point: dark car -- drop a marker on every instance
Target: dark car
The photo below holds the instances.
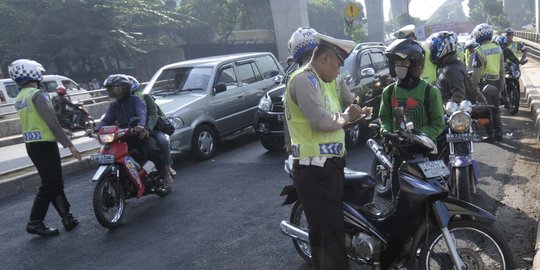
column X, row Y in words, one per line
column 366, row 73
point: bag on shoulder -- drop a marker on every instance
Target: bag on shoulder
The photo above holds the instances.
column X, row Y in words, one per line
column 164, row 124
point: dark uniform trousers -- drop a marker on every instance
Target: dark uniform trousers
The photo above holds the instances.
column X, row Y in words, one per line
column 46, row 158
column 320, row 190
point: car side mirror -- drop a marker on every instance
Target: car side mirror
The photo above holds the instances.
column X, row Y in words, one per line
column 278, row 79
column 367, row 72
column 220, row 87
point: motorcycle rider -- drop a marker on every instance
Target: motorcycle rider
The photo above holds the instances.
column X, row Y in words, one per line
column 153, row 112
column 488, row 74
column 122, row 110
column 315, row 124
column 41, row 132
column 508, row 55
column 429, row 72
column 63, row 103
column 515, row 46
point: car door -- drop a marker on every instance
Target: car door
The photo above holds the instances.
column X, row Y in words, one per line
column 254, row 87
column 363, row 82
column 229, row 104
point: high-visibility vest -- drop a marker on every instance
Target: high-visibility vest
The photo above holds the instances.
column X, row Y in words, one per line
column 34, row 128
column 491, row 55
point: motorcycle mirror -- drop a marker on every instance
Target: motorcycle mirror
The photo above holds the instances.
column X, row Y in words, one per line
column 409, row 126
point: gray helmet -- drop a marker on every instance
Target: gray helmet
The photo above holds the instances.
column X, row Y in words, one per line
column 118, row 86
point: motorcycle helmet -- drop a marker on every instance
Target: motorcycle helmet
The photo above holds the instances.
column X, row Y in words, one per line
column 471, row 43
column 302, row 42
column 61, row 91
column 134, row 83
column 508, row 31
column 482, row 32
column 441, row 44
column 118, row 86
column 502, row 41
column 405, row 49
column 24, row 70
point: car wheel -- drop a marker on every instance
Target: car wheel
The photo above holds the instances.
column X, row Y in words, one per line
column 272, row 144
column 203, row 142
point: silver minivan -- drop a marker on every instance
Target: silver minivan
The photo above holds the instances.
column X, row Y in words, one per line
column 212, row 99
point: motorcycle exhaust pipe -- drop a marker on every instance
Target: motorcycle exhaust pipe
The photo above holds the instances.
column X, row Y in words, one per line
column 379, row 153
column 294, row 232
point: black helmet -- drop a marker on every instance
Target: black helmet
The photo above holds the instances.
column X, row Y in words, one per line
column 508, row 31
column 118, row 86
column 406, row 49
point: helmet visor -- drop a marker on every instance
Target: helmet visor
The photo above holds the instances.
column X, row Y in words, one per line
column 117, row 91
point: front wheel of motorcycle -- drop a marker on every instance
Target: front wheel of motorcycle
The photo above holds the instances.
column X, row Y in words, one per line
column 109, row 201
column 383, row 178
column 298, row 219
column 513, row 98
column 479, row 247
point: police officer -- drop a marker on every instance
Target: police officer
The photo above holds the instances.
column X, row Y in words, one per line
column 488, row 73
column 515, row 46
column 40, row 131
column 315, row 123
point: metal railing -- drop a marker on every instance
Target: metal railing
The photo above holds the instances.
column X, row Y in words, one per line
column 533, row 46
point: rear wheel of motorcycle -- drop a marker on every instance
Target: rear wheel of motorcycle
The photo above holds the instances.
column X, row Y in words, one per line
column 382, row 177
column 463, row 181
column 298, row 219
column 478, row 245
column 513, row 98
column 203, row 142
column 109, row 201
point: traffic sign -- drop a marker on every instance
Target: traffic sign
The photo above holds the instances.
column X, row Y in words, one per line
column 351, row 11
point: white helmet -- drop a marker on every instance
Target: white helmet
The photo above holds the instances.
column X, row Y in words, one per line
column 482, row 32
column 24, row 70
column 301, row 42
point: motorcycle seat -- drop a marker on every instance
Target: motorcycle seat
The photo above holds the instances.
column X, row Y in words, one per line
column 358, row 179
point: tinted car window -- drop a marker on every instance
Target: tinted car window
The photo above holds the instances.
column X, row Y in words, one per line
column 268, row 66
column 174, row 81
column 12, row 90
column 228, row 77
column 348, row 64
column 379, row 61
column 249, row 73
column 50, row 86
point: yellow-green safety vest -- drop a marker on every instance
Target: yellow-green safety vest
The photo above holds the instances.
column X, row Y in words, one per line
column 34, row 128
column 490, row 54
column 430, row 70
column 306, row 142
column 514, row 48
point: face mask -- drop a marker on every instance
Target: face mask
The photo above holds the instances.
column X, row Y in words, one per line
column 401, row 72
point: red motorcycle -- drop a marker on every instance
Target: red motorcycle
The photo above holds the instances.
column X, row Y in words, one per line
column 120, row 175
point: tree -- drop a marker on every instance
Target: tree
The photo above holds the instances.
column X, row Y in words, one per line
column 488, row 11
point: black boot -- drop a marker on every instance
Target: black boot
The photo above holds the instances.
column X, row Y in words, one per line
column 61, row 205
column 497, row 124
column 38, row 213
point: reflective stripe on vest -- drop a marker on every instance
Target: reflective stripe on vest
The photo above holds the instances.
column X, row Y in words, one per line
column 491, row 55
column 306, row 142
column 34, row 129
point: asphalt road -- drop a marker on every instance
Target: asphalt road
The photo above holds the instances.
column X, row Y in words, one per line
column 224, row 213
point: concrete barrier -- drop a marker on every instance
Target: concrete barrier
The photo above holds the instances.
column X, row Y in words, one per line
column 11, row 127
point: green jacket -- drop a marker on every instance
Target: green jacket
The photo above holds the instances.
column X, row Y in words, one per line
column 412, row 100
column 152, row 109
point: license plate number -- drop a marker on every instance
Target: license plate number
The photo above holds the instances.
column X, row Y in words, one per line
column 102, row 158
column 433, row 168
column 459, row 137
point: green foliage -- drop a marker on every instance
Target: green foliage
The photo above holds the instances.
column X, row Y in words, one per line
column 450, row 11
column 490, row 11
column 326, row 16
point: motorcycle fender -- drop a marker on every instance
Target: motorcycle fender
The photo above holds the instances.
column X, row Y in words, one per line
column 290, row 192
column 101, row 172
column 461, row 161
column 448, row 208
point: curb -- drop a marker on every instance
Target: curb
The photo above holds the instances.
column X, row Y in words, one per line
column 30, row 181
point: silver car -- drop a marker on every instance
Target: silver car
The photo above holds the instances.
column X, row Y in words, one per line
column 212, row 99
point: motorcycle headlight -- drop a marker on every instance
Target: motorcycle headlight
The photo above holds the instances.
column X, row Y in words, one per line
column 106, row 138
column 460, row 121
column 177, row 122
column 264, row 103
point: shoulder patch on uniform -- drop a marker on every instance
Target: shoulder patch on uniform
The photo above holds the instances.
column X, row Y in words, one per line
column 314, row 80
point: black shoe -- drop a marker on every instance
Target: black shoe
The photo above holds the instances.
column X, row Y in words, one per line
column 70, row 222
column 40, row 229
column 488, row 139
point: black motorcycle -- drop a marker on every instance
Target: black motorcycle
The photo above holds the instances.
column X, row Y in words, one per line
column 511, row 94
column 423, row 228
column 86, row 122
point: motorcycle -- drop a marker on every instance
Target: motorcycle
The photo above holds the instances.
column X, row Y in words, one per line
column 457, row 147
column 120, row 175
column 86, row 122
column 423, row 228
column 511, row 94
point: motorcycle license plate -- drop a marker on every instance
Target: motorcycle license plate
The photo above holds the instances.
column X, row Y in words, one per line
column 433, row 168
column 102, row 158
column 459, row 137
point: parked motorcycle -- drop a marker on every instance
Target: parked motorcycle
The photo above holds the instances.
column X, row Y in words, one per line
column 511, row 94
column 422, row 229
column 120, row 175
column 86, row 122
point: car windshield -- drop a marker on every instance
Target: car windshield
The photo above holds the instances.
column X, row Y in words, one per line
column 176, row 81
